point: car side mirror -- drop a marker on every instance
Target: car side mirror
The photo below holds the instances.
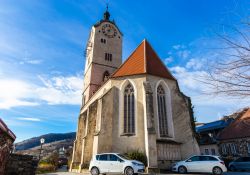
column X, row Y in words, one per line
column 189, row 160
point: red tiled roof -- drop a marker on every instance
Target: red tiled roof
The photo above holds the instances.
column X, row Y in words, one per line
column 143, row 60
column 239, row 128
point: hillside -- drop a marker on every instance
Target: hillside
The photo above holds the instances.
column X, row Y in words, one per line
column 49, row 138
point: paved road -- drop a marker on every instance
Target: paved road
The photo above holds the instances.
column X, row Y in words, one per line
column 68, row 173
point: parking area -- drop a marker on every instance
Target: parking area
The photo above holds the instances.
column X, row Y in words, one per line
column 69, row 173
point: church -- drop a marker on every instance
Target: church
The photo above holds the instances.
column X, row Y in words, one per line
column 135, row 105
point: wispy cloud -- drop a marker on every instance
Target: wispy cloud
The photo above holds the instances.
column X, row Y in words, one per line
column 54, row 90
column 29, row 119
column 61, row 90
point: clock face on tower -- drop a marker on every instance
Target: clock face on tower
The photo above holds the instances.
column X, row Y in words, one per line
column 109, row 31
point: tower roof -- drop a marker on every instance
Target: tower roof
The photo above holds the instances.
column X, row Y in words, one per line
column 144, row 60
column 106, row 14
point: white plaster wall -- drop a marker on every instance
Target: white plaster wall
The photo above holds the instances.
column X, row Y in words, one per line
column 209, row 147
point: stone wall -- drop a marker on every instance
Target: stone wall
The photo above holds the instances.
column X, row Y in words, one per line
column 7, row 138
column 21, row 165
column 5, row 148
column 88, row 140
column 234, row 148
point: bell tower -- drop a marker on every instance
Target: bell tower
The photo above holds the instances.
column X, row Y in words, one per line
column 103, row 54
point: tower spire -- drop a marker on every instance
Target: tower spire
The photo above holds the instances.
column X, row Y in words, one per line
column 106, row 14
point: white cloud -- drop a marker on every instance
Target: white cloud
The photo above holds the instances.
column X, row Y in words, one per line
column 55, row 90
column 183, row 53
column 168, row 60
column 15, row 93
column 61, row 90
column 178, row 46
column 195, row 64
column 190, row 84
column 34, row 61
column 188, row 79
column 29, row 119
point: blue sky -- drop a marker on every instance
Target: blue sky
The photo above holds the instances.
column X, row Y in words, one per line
column 42, row 45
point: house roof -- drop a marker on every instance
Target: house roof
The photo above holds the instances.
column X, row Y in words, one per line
column 144, row 60
column 239, row 128
column 219, row 124
column 4, row 128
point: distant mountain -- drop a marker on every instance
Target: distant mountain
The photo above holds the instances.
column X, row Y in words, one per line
column 49, row 138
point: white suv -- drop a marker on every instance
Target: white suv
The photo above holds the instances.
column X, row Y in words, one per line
column 114, row 163
column 201, row 164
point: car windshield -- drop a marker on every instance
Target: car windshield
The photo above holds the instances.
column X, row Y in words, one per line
column 123, row 156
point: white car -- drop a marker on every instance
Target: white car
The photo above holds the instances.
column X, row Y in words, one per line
column 201, row 164
column 108, row 163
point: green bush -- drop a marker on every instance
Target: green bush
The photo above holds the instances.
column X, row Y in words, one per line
column 137, row 155
column 49, row 164
column 45, row 168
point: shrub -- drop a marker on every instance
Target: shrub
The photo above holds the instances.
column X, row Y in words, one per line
column 45, row 168
column 137, row 155
column 49, row 164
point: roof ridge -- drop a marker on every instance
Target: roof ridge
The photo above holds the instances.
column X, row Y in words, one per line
column 127, row 59
column 144, row 60
column 145, row 55
column 157, row 56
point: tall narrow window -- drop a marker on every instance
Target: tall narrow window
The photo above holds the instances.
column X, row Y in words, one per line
column 129, row 110
column 108, row 56
column 224, row 149
column 162, row 111
column 233, row 148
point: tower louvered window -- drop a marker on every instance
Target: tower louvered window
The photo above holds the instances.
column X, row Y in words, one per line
column 162, row 111
column 129, row 110
column 108, row 56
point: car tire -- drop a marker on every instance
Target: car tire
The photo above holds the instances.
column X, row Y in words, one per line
column 182, row 170
column 217, row 171
column 128, row 171
column 94, row 171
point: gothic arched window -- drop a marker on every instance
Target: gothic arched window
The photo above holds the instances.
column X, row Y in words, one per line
column 105, row 76
column 162, row 111
column 129, row 110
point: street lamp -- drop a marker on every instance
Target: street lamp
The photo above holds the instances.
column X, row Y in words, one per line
column 42, row 140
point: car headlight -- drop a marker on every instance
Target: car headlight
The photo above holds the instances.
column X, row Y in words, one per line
column 136, row 164
column 174, row 164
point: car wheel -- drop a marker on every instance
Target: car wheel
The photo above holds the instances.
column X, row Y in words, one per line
column 182, row 170
column 94, row 171
column 129, row 171
column 217, row 171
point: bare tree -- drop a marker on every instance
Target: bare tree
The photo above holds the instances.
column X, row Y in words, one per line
column 230, row 74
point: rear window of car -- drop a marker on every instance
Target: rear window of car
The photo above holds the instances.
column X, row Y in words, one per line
column 113, row 157
column 210, row 158
column 103, row 157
